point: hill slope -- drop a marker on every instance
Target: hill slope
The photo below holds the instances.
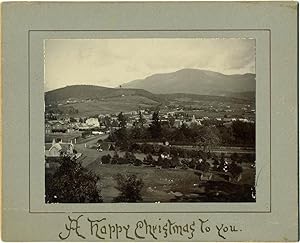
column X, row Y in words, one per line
column 95, row 92
column 86, row 100
column 195, row 81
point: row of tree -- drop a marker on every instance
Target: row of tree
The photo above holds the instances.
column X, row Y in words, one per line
column 208, row 135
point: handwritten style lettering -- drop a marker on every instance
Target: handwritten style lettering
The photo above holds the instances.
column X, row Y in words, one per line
column 73, row 226
column 104, row 229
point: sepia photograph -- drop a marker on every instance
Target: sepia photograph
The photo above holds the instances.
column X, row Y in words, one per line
column 150, row 120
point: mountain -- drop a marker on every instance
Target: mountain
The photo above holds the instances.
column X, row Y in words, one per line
column 196, row 81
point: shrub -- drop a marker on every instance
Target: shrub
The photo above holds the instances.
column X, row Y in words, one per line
column 121, row 161
column 115, row 158
column 165, row 163
column 106, row 159
column 148, row 160
column 137, row 162
column 174, row 162
column 129, row 157
column 192, row 163
column 203, row 166
column 130, row 188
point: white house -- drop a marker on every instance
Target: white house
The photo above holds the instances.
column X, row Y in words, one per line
column 92, row 122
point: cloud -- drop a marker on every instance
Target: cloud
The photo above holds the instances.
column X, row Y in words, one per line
column 110, row 62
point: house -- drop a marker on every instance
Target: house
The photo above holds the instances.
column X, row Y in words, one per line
column 55, row 126
column 177, row 123
column 92, row 122
column 83, row 127
column 48, row 128
column 97, row 132
column 194, row 121
column 58, row 148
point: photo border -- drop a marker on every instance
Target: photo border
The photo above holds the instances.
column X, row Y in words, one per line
column 158, row 30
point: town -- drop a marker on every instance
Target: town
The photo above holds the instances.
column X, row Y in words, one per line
column 177, row 137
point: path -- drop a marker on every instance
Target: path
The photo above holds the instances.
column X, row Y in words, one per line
column 89, row 155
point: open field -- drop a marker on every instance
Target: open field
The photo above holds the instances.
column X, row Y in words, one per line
column 111, row 105
column 160, row 184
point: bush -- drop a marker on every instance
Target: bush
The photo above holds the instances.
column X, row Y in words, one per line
column 122, row 161
column 106, row 159
column 115, row 158
column 137, row 162
column 129, row 157
column 148, row 160
column 130, row 188
column 203, row 166
column 165, row 163
column 174, row 162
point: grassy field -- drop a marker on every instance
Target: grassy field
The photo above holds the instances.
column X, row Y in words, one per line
column 111, row 105
column 160, row 184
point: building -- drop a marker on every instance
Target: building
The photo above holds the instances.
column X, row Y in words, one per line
column 92, row 122
column 55, row 126
column 58, row 149
column 194, row 121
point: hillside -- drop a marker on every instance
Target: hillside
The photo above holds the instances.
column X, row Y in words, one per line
column 196, row 81
column 96, row 92
column 86, row 100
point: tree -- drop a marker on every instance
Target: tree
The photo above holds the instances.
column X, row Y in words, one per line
column 155, row 126
column 107, row 121
column 130, row 188
column 208, row 138
column 171, row 120
column 121, row 134
column 141, row 120
column 122, row 120
column 72, row 183
column 235, row 170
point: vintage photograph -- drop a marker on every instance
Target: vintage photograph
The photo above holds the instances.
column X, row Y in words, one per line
column 150, row 120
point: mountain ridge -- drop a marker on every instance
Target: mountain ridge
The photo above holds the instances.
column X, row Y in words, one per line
column 195, row 81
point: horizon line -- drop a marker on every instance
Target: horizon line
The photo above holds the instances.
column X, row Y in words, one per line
column 115, row 87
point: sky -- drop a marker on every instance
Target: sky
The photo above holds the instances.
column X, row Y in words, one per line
column 112, row 62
